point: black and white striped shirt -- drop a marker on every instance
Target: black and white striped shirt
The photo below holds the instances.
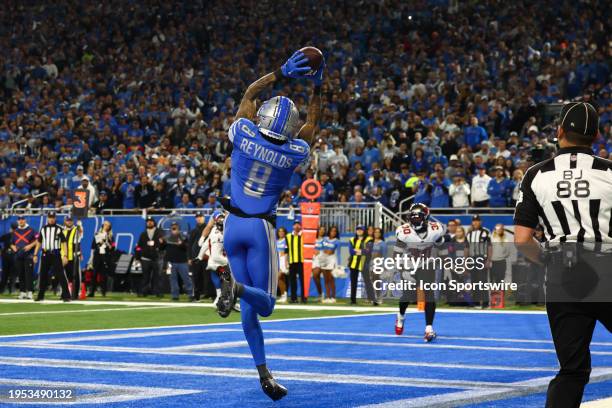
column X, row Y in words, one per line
column 570, row 195
column 51, row 237
column 479, row 240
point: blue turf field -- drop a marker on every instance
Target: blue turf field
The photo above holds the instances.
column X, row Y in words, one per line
column 479, row 360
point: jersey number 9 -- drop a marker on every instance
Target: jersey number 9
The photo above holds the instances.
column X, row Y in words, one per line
column 258, row 177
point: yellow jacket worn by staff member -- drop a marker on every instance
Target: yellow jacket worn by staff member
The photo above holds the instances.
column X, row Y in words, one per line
column 295, row 253
column 295, row 248
column 72, row 252
column 361, row 247
column 72, row 244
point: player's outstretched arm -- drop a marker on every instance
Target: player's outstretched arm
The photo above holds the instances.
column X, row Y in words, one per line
column 294, row 67
column 307, row 132
column 248, row 104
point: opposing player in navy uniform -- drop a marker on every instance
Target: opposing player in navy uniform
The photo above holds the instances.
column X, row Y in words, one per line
column 417, row 238
column 268, row 147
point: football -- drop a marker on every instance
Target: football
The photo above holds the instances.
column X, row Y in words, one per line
column 315, row 57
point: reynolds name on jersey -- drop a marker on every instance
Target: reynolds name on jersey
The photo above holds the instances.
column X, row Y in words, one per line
column 261, row 170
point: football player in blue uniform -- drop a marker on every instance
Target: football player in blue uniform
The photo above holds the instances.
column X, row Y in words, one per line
column 268, row 146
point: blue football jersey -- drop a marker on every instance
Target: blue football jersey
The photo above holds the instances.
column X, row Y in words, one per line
column 261, row 170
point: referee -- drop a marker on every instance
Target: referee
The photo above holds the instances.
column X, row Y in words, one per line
column 571, row 196
column 52, row 241
column 479, row 239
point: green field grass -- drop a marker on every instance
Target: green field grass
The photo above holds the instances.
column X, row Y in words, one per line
column 24, row 318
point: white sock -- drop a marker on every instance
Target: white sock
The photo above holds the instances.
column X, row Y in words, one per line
column 400, row 316
column 218, row 292
column 428, row 328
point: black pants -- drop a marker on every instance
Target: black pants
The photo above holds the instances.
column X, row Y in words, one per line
column 101, row 267
column 202, row 283
column 367, row 282
column 480, row 296
column 73, row 273
column 8, row 272
column 25, row 270
column 572, row 326
column 481, row 204
column 150, row 277
column 498, row 270
column 422, row 276
column 51, row 263
column 296, row 270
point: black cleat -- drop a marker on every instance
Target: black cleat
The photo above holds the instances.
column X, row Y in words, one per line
column 227, row 300
column 272, row 389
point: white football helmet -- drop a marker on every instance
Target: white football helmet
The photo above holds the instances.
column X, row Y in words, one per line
column 278, row 118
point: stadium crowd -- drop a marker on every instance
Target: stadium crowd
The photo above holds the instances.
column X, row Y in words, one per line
column 419, row 98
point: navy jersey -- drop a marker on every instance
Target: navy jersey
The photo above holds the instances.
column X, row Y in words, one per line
column 261, row 170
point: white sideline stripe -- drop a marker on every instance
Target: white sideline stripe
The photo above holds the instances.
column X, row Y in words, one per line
column 374, row 309
column 312, row 332
column 43, row 344
column 114, row 309
column 600, row 403
column 221, row 345
column 505, row 391
column 250, row 373
column 135, row 335
column 191, row 352
column 153, row 328
column 108, row 394
column 394, row 336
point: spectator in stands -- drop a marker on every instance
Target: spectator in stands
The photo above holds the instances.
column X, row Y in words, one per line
column 517, row 176
column 83, row 109
column 439, row 189
column 474, row 134
column 176, row 255
column 103, row 247
column 480, row 186
column 499, row 189
column 144, row 193
column 459, row 192
column 422, row 189
column 212, row 203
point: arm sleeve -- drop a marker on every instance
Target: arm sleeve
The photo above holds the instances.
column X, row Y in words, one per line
column 526, row 211
column 233, row 133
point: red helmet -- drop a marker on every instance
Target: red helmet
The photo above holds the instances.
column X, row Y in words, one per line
column 418, row 214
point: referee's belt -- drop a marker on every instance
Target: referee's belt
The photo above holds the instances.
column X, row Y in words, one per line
column 225, row 202
column 51, row 251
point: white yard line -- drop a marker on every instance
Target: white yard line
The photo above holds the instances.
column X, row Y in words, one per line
column 249, row 373
column 600, row 403
column 189, row 351
column 505, row 391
